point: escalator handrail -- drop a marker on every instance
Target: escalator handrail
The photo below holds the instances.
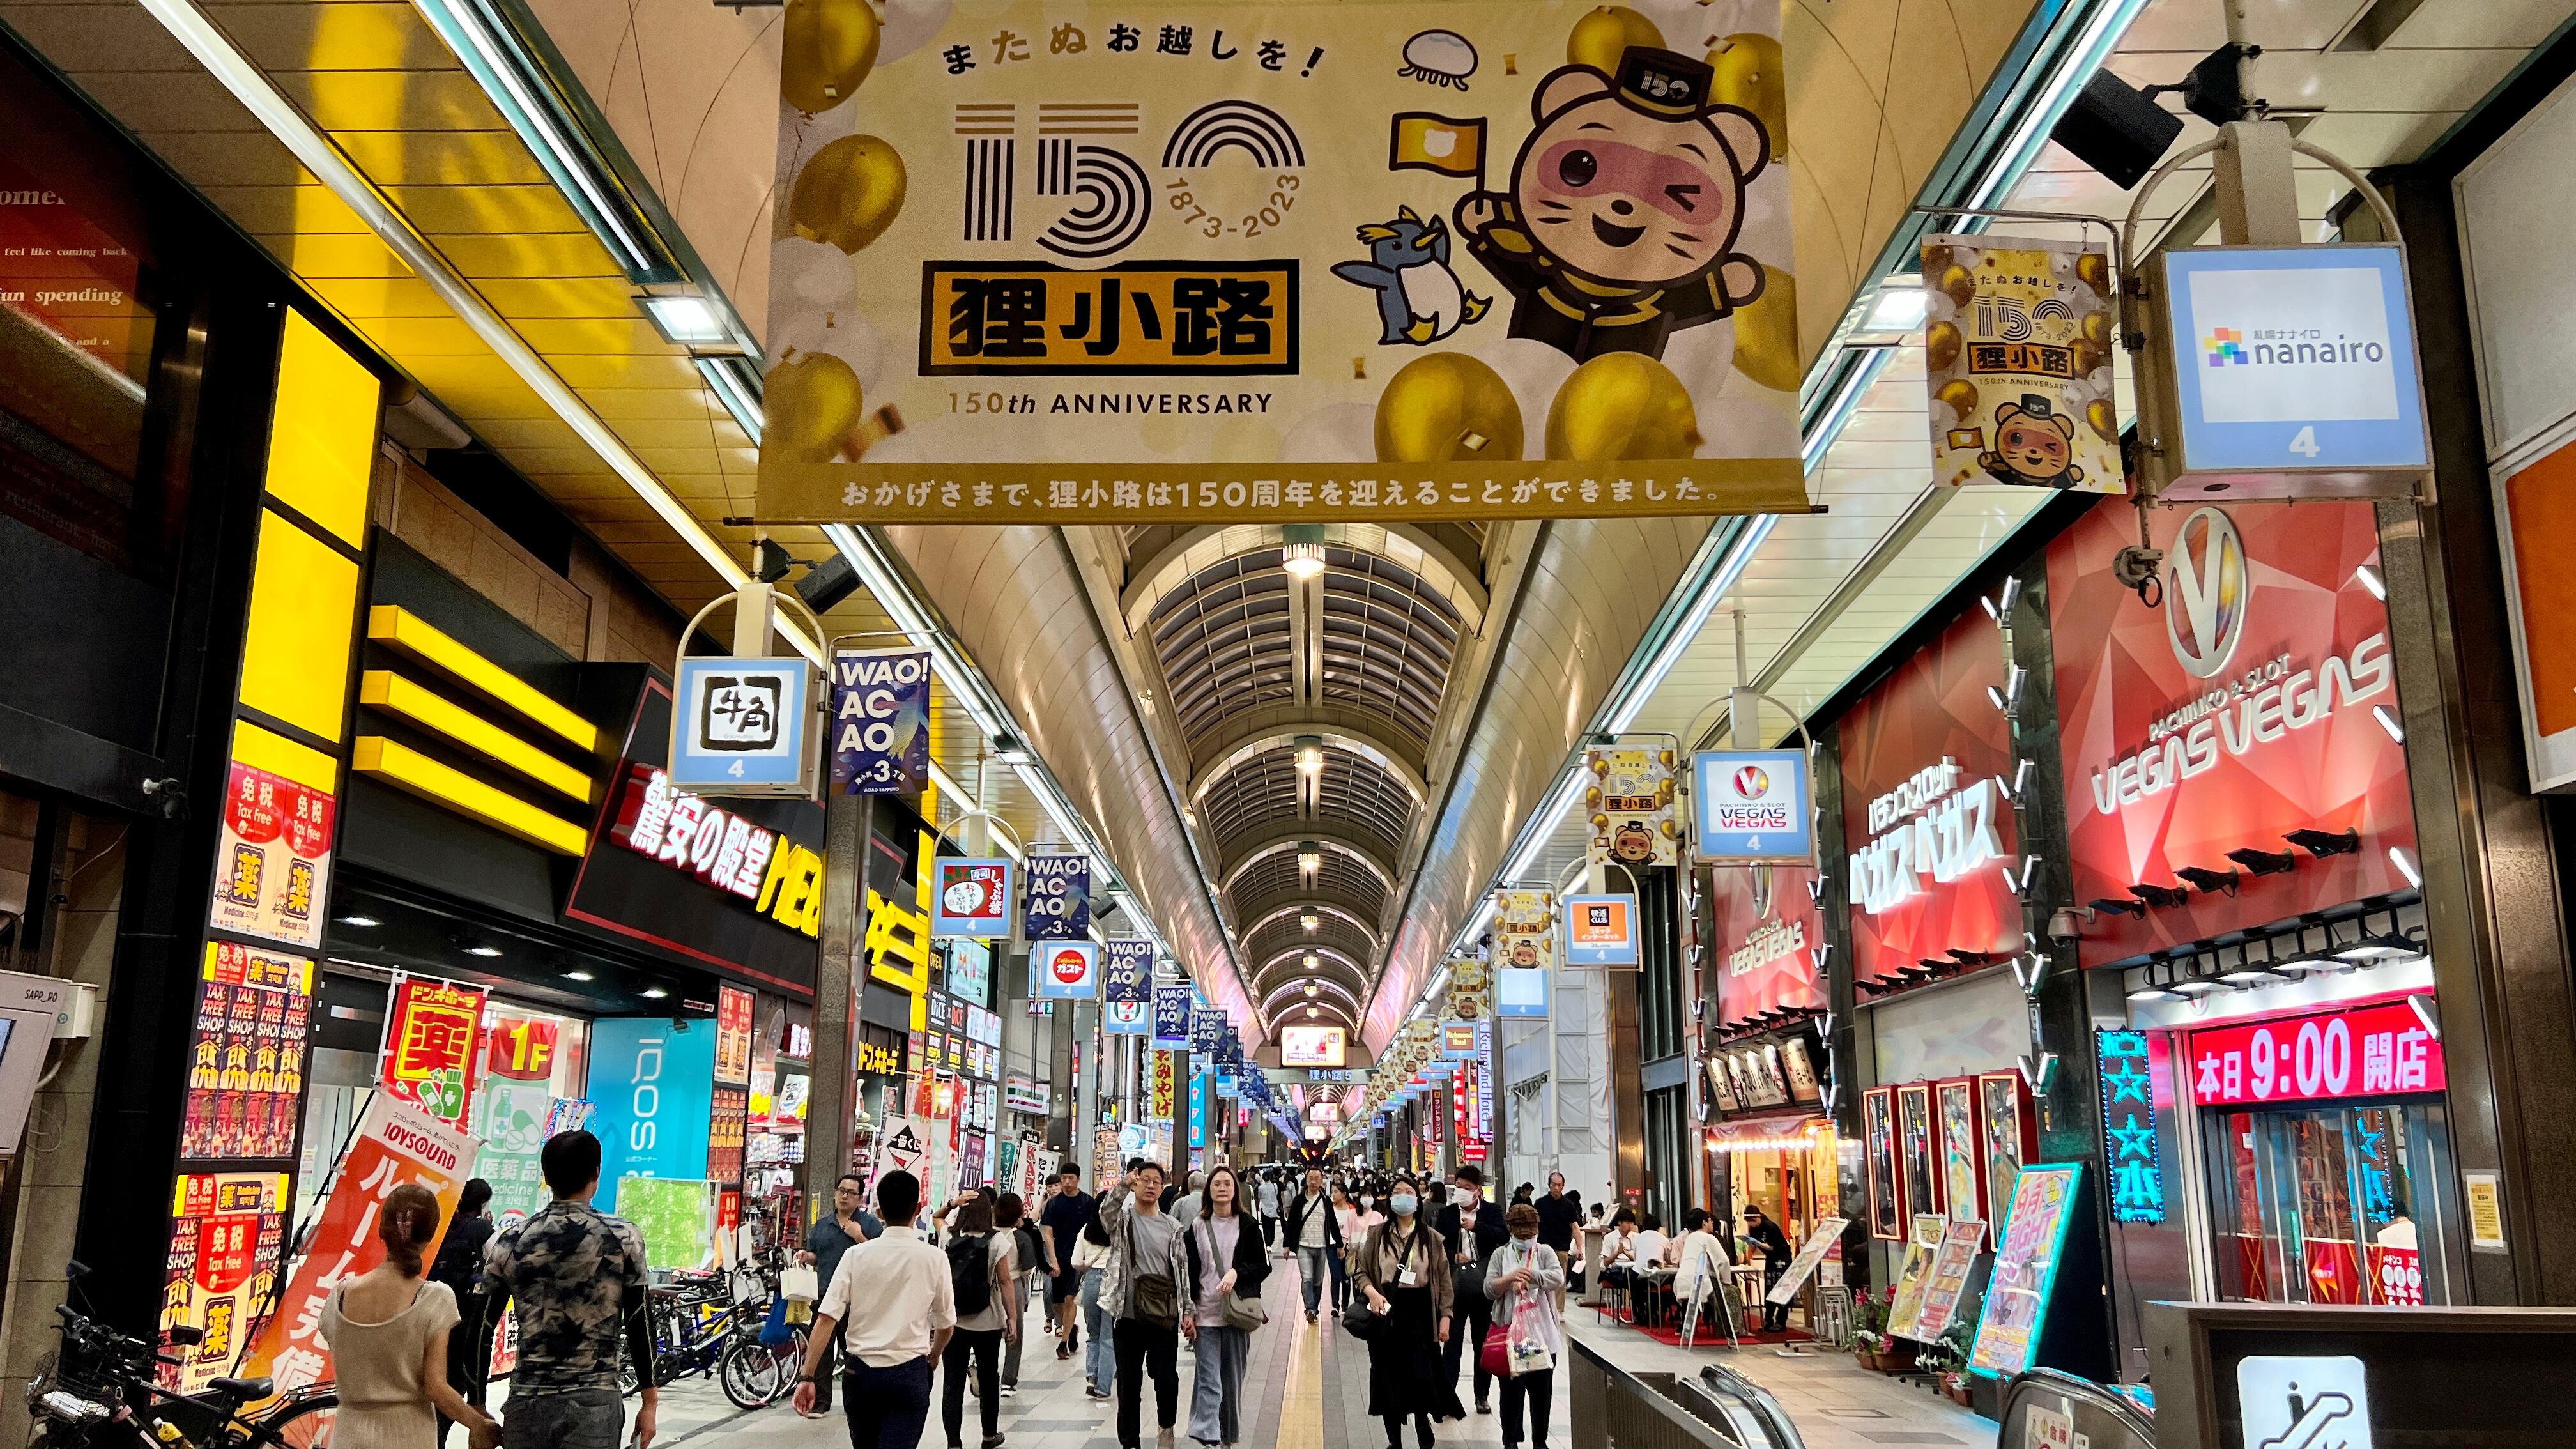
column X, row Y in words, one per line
column 1725, row 1383
column 2047, row 1380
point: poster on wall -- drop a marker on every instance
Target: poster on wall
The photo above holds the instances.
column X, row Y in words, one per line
column 2017, row 353
column 396, row 1143
column 2006, row 1136
column 273, row 862
column 1886, row 1177
column 1768, row 931
column 246, row 1055
column 1962, row 1167
column 2247, row 727
column 733, row 1034
column 1918, row 1141
column 880, row 721
column 227, row 1233
column 1928, row 826
column 429, row 1057
column 1235, row 262
column 654, row 1079
column 1628, row 803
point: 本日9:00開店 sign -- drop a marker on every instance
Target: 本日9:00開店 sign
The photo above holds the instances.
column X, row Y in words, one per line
column 1157, row 262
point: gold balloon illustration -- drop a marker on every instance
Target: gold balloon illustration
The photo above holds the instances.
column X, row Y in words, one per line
column 1958, row 285
column 2094, row 270
column 1961, row 395
column 1750, row 75
column 2097, row 329
column 1622, row 405
column 814, row 404
column 1941, row 343
column 2103, row 419
column 830, row 47
column 1446, row 408
column 2086, row 355
column 1766, row 333
column 1607, row 32
column 848, row 194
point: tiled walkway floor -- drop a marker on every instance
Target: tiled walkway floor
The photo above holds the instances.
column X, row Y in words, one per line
column 1307, row 1388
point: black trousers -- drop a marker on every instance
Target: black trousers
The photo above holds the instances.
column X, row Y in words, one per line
column 1475, row 1315
column 469, row 1352
column 1145, row 1348
column 823, row 1382
column 1775, row 1316
column 1538, row 1390
column 886, row 1405
column 983, row 1346
column 1395, row 1431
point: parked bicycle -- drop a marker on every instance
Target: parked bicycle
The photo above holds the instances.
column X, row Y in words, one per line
column 102, row 1388
column 712, row 1323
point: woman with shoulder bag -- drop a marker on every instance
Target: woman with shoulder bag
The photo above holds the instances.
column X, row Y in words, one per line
column 1224, row 1307
column 1523, row 1278
column 1403, row 1270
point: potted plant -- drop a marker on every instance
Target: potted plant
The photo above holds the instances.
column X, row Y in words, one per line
column 1869, row 1329
column 1955, row 1344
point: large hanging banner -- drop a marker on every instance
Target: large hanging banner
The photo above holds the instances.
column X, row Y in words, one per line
column 1283, row 263
column 1629, row 805
column 397, row 1143
column 880, row 721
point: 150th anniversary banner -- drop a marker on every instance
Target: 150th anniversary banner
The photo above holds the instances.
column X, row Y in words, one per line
column 1367, row 261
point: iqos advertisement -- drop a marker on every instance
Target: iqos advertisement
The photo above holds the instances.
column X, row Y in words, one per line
column 2234, row 750
column 654, row 1079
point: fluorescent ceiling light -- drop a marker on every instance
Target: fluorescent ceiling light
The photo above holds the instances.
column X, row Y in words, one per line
column 1900, row 306
column 1721, row 581
column 215, row 50
column 577, row 974
column 686, row 318
column 360, row 921
column 482, row 950
column 654, row 993
column 729, row 390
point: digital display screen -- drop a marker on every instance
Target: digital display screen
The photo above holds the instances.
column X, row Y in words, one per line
column 1311, row 1046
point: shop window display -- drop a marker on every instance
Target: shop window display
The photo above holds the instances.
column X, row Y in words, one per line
column 2341, row 1204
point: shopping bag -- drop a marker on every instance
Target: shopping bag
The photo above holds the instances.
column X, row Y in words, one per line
column 1524, row 1351
column 799, row 1280
column 1495, row 1356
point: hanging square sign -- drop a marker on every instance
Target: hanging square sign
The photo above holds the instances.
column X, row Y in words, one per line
column 1059, row 902
column 1753, row 805
column 740, row 727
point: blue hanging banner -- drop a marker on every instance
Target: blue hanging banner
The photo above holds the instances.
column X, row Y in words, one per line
column 880, row 721
column 1127, row 971
column 1172, row 1017
column 1059, row 897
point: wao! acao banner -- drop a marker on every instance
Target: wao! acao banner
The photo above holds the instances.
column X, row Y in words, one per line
column 1149, row 262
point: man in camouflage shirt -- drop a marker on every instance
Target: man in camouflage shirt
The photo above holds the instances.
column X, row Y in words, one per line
column 575, row 1278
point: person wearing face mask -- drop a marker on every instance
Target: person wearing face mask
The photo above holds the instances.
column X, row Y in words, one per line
column 1473, row 1229
column 1403, row 1269
column 1525, row 1278
column 1347, row 1232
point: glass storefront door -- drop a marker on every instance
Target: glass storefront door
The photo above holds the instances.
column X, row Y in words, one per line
column 2331, row 1203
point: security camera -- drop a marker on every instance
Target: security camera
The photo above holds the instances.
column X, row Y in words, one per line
column 2066, row 926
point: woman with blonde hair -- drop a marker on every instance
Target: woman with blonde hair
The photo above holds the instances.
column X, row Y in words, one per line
column 387, row 1329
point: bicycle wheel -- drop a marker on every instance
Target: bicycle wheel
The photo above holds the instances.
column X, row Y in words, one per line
column 305, row 1424
column 750, row 1374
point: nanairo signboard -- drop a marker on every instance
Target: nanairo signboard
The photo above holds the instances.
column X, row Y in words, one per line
column 1138, row 263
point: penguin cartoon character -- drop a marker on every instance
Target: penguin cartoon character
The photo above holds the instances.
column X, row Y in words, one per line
column 1625, row 205
column 2034, row 446
column 1419, row 300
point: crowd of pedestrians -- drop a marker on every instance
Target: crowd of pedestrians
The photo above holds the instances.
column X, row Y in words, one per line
column 1442, row 1284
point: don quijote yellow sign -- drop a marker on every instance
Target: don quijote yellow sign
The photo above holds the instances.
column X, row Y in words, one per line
column 1108, row 263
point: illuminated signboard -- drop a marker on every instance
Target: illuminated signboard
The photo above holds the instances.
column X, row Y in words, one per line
column 1312, row 1046
column 2383, row 1049
column 2130, row 1128
column 721, row 849
column 1753, row 805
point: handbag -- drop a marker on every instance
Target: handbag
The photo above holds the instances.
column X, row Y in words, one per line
column 1360, row 1320
column 1239, row 1310
column 1467, row 1280
column 1495, row 1355
column 799, row 1280
column 1151, row 1297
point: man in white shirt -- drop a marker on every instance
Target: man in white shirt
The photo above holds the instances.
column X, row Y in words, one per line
column 893, row 1331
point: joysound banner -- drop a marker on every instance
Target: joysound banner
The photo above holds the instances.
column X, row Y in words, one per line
column 1369, row 262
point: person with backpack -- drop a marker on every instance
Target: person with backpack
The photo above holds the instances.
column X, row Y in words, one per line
column 1142, row 1291
column 981, row 1282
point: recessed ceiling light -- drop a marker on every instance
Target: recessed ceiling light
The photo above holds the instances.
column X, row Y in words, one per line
column 684, row 318
column 654, row 993
column 1310, row 920
column 360, row 921
column 479, row 949
column 577, row 974
column 1900, row 307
